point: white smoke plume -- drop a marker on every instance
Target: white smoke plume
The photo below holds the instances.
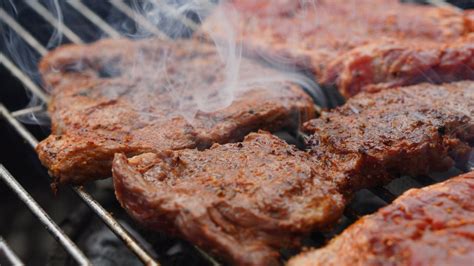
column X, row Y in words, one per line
column 167, row 16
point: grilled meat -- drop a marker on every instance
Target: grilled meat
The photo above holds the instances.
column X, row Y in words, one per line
column 389, row 63
column 246, row 200
column 411, row 130
column 358, row 44
column 429, row 226
column 241, row 201
column 122, row 96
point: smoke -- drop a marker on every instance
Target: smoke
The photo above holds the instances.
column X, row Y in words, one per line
column 175, row 19
column 57, row 37
column 26, row 58
column 206, row 98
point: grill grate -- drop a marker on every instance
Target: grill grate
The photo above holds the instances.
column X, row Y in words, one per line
column 10, row 256
column 43, row 216
column 351, row 213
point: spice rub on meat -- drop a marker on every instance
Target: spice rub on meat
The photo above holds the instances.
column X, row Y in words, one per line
column 123, row 96
column 355, row 45
column 241, row 201
column 246, row 200
column 429, row 226
column 412, row 130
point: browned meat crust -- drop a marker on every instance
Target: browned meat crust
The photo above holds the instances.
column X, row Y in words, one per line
column 357, row 44
column 246, row 200
column 429, row 226
column 409, row 130
column 122, row 96
column 241, row 201
column 392, row 62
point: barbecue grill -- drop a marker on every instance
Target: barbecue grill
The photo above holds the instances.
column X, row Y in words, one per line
column 94, row 208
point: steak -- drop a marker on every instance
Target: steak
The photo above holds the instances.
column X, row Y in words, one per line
column 410, row 130
column 429, row 226
column 244, row 201
column 354, row 45
column 123, row 96
column 241, row 201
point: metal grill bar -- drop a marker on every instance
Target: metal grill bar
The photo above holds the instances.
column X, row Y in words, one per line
column 5, row 17
column 106, row 217
column 11, row 256
column 142, row 21
column 116, row 227
column 23, row 78
column 98, row 209
column 381, row 192
column 209, row 258
column 173, row 12
column 443, row 3
column 89, row 14
column 18, row 127
column 51, row 226
column 28, row 110
column 43, row 12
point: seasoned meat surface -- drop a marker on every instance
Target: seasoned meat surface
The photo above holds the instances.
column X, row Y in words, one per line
column 410, row 130
column 123, row 96
column 429, row 226
column 246, row 200
column 354, row 45
column 241, row 201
